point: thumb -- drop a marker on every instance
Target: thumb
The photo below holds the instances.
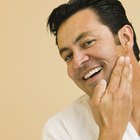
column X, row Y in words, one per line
column 99, row 91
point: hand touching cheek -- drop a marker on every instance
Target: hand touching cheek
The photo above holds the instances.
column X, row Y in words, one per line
column 112, row 105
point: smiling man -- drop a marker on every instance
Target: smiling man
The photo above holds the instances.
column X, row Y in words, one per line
column 98, row 44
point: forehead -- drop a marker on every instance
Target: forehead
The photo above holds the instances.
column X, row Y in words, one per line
column 83, row 21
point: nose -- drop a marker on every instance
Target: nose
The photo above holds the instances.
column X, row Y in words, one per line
column 79, row 59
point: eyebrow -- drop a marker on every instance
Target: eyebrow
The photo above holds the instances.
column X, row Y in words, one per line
column 79, row 37
column 63, row 50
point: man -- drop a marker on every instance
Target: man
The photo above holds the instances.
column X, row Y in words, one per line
column 98, row 44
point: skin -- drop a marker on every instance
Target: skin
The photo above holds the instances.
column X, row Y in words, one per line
column 89, row 54
column 112, row 105
column 85, row 43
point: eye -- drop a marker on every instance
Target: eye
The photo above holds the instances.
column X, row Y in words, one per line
column 68, row 57
column 88, row 43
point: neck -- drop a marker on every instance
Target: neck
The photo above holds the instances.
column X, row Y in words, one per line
column 136, row 97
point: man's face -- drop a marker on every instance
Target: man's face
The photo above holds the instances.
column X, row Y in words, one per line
column 89, row 49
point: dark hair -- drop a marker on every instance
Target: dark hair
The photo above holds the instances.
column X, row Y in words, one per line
column 110, row 12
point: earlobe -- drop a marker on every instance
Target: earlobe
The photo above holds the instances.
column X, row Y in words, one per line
column 125, row 35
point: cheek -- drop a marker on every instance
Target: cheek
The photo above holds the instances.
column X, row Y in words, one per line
column 70, row 72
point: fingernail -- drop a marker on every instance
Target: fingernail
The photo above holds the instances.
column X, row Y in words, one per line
column 102, row 81
column 127, row 59
column 121, row 58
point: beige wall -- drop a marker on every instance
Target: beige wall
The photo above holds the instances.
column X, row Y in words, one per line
column 33, row 81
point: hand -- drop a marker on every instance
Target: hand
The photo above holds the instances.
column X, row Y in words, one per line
column 112, row 105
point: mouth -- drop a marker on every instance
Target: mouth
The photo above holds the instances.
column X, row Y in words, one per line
column 92, row 73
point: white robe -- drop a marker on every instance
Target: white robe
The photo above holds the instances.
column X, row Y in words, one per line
column 77, row 123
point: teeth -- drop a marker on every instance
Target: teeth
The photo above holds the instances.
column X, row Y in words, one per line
column 92, row 72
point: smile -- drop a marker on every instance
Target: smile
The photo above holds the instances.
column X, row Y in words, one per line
column 92, row 72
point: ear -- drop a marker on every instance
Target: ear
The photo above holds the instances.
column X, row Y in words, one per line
column 125, row 35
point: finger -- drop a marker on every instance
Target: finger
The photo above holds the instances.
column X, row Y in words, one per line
column 130, row 78
column 116, row 74
column 127, row 74
column 125, row 71
column 99, row 92
column 130, row 73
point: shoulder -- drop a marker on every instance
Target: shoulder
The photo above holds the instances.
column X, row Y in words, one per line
column 69, row 121
column 76, row 108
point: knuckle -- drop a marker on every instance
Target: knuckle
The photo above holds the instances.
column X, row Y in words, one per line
column 116, row 73
column 113, row 90
column 94, row 103
column 125, row 75
column 124, row 95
